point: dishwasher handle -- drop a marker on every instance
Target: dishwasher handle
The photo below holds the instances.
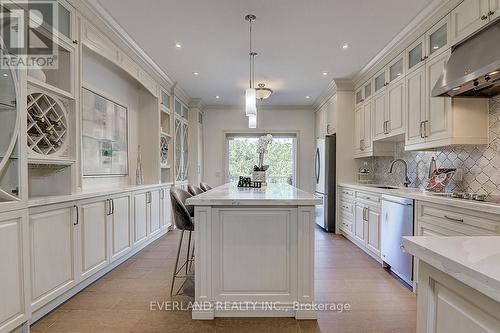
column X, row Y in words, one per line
column 399, row 203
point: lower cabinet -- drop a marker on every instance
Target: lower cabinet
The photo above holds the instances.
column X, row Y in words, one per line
column 14, row 290
column 166, row 208
column 154, row 212
column 141, row 201
column 120, row 225
column 93, row 236
column 52, row 247
column 445, row 304
column 361, row 219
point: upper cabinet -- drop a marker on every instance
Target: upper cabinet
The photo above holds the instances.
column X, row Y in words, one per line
column 472, row 15
column 441, row 121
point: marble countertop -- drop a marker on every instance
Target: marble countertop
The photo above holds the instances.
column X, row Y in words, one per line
column 474, row 260
column 48, row 200
column 422, row 195
column 274, row 194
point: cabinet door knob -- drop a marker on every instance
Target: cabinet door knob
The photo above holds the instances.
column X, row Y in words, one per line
column 484, row 17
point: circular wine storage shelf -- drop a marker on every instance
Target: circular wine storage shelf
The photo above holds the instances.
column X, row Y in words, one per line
column 47, row 124
column 163, row 150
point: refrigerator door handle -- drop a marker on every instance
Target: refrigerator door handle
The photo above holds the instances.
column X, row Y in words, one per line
column 317, row 165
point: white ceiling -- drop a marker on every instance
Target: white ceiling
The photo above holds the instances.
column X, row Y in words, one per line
column 296, row 40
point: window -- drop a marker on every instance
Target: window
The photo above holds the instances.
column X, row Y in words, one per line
column 281, row 157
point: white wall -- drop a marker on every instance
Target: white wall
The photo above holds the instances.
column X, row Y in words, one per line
column 117, row 85
column 216, row 122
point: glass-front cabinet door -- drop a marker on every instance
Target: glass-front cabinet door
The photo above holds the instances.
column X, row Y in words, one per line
column 415, row 54
column 359, row 96
column 9, row 135
column 380, row 81
column 396, row 69
column 367, row 90
column 438, row 37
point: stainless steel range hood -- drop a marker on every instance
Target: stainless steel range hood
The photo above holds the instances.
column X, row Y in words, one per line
column 474, row 66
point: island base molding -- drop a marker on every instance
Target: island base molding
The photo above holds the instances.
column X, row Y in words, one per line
column 212, row 311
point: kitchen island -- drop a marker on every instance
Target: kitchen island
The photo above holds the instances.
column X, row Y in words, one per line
column 254, row 252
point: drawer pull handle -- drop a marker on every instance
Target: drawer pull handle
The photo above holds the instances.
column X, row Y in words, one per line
column 453, row 219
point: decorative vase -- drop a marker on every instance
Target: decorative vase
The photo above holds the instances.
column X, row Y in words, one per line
column 139, row 175
column 259, row 176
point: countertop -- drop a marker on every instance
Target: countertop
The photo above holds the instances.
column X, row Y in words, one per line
column 274, row 194
column 48, row 200
column 474, row 261
column 422, row 195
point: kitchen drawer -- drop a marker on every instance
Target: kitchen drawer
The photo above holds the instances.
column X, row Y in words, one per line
column 347, row 207
column 346, row 194
column 346, row 226
column 368, row 197
column 467, row 222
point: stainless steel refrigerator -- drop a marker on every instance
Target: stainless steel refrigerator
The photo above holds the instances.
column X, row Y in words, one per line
column 324, row 177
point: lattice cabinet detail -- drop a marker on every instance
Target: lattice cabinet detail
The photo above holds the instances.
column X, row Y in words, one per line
column 47, row 125
column 164, row 141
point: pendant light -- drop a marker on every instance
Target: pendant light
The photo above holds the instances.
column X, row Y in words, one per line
column 252, row 121
column 250, row 93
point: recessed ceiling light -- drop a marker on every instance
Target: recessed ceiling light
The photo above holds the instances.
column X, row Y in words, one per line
column 196, row 73
column 325, row 73
column 345, row 46
column 178, row 45
column 217, row 97
column 308, row 97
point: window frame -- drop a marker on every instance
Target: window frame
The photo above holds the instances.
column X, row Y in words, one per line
column 257, row 133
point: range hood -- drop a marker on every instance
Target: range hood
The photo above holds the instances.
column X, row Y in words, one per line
column 473, row 69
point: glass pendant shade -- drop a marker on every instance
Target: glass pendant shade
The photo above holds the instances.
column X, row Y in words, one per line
column 251, row 102
column 252, row 121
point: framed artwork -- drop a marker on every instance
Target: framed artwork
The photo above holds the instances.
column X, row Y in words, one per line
column 104, row 136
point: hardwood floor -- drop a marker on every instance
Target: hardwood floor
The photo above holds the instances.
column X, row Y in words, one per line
column 120, row 301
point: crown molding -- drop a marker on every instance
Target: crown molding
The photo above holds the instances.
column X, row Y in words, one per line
column 332, row 88
column 422, row 22
column 196, row 103
column 94, row 8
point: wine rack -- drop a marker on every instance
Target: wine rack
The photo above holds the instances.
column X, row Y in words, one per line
column 47, row 124
column 164, row 151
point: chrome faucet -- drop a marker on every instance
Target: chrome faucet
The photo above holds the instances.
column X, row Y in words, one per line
column 407, row 181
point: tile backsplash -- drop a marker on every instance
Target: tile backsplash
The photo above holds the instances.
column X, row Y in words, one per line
column 478, row 166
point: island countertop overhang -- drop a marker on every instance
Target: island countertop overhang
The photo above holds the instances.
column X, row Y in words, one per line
column 272, row 195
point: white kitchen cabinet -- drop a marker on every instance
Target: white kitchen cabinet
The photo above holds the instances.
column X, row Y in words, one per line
column 141, row 202
column 321, row 118
column 470, row 16
column 52, row 231
column 415, row 55
column 120, row 225
column 359, row 222
column 445, row 121
column 415, row 105
column 154, row 212
column 331, row 115
column 166, row 208
column 373, row 229
column 445, row 304
column 379, row 115
column 389, row 102
column 437, row 38
column 93, row 236
column 14, row 287
column 362, row 130
column 364, row 93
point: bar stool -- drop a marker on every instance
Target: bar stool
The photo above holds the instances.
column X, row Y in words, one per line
column 194, row 190
column 205, row 187
column 183, row 221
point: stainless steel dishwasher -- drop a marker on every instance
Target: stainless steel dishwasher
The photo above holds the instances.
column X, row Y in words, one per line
column 397, row 221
